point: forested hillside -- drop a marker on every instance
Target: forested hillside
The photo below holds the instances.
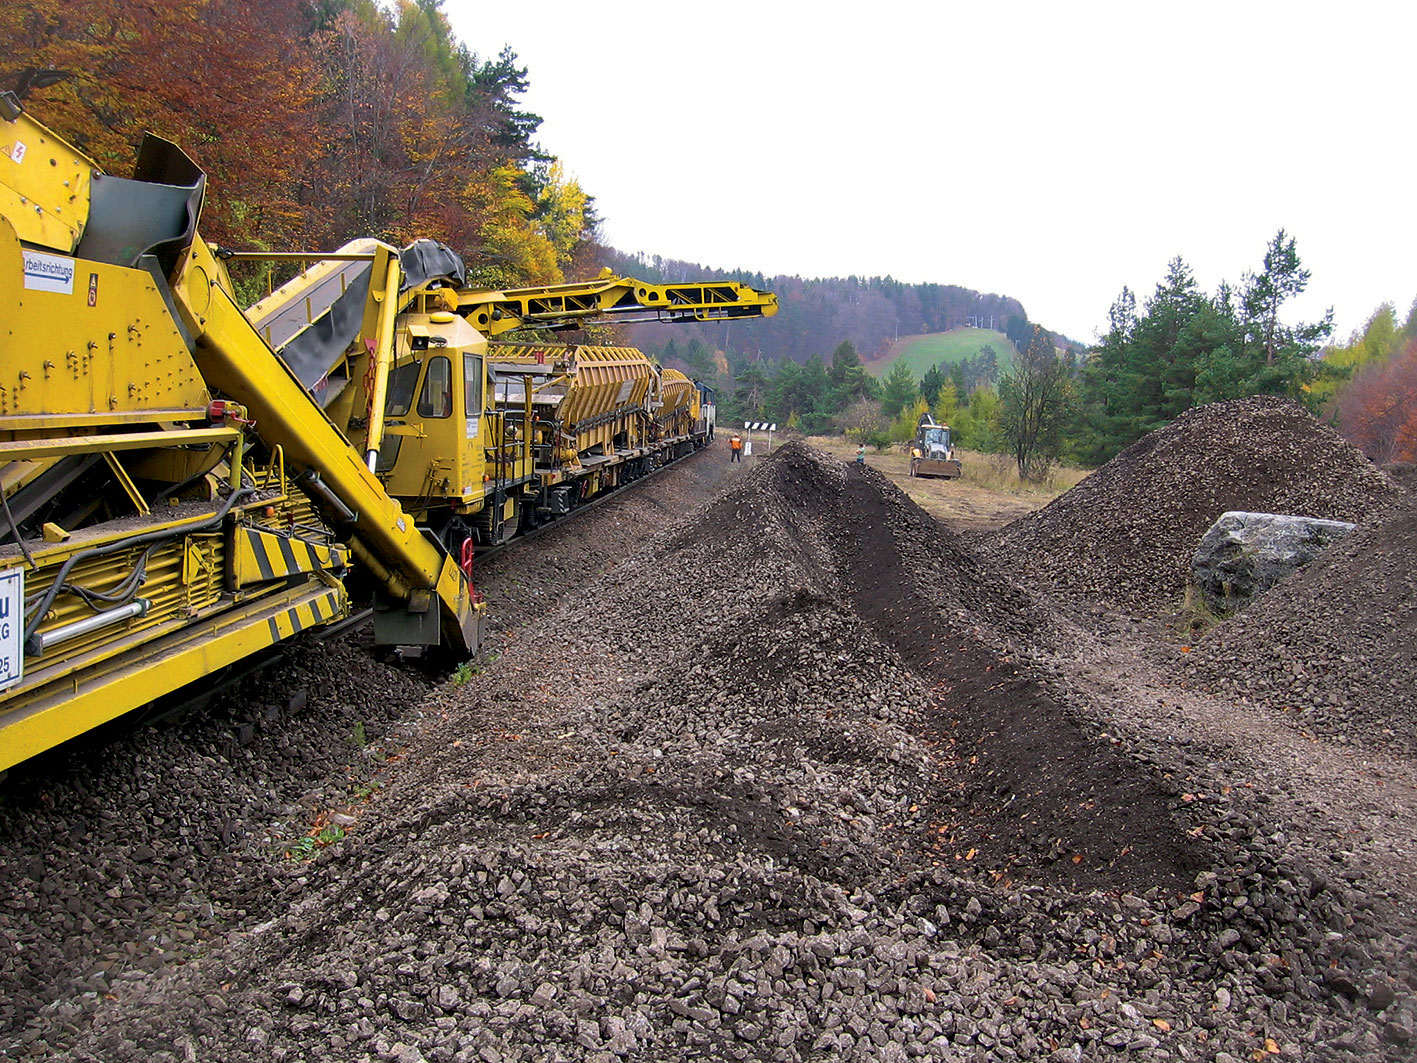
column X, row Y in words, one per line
column 816, row 314
column 316, row 122
column 319, row 121
column 805, row 366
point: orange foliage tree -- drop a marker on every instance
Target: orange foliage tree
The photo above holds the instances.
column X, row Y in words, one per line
column 316, row 122
column 1377, row 410
column 228, row 81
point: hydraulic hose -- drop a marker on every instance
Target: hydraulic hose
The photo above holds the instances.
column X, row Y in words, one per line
column 33, row 621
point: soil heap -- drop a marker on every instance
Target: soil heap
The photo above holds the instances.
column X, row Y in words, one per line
column 122, row 856
column 1124, row 536
column 1333, row 647
column 129, row 849
column 784, row 785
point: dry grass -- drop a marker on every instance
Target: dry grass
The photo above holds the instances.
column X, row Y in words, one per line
column 988, row 496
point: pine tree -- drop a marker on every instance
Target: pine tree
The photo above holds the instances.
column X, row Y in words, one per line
column 899, row 390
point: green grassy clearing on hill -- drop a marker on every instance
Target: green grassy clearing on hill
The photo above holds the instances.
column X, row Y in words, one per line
column 921, row 352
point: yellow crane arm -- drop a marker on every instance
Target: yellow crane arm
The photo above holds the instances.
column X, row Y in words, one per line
column 236, row 360
column 566, row 305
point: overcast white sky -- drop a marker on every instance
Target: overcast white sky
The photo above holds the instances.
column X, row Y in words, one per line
column 1053, row 152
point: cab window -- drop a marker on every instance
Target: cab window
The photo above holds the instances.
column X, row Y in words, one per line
column 401, row 384
column 436, row 399
column 472, row 377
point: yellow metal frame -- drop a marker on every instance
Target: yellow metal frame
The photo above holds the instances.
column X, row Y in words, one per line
column 234, row 359
column 44, row 185
column 498, row 312
column 28, row 449
column 159, row 666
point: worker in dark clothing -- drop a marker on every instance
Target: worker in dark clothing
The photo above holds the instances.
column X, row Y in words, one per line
column 735, row 448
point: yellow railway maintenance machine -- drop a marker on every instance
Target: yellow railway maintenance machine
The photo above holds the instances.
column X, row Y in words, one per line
column 186, row 483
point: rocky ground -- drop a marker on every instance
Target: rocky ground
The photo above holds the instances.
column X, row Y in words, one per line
column 1332, row 647
column 791, row 774
column 1124, row 536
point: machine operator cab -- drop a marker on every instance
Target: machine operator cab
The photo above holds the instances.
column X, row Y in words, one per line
column 447, row 449
column 932, row 440
column 935, row 443
column 433, row 411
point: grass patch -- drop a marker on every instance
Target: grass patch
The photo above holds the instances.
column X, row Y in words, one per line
column 921, row 352
column 321, row 835
column 999, row 472
column 306, row 847
column 1196, row 617
column 990, row 472
column 988, row 495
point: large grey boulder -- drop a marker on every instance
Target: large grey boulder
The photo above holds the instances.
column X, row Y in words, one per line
column 1245, row 554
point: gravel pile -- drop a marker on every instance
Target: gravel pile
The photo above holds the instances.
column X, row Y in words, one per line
column 1334, row 647
column 786, row 784
column 1124, row 536
column 122, row 856
column 122, row 853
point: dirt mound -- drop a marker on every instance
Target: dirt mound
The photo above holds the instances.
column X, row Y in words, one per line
column 1124, row 536
column 1335, row 645
column 119, row 856
column 782, row 784
column 1034, row 789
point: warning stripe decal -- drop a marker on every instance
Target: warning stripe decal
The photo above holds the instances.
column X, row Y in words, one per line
column 277, row 556
column 288, row 552
column 307, row 614
column 258, row 548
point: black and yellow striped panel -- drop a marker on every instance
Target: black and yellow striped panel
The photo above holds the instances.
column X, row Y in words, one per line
column 263, row 555
column 312, row 613
column 53, row 704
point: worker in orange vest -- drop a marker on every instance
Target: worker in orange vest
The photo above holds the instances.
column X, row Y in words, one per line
column 735, row 448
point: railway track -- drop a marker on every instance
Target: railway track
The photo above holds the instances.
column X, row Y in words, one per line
column 585, row 507
column 196, row 697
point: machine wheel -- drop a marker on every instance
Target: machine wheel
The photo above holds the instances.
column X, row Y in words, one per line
column 504, row 531
column 492, row 530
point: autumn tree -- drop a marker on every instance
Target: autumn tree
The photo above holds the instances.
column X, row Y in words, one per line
column 316, row 122
column 1034, row 399
column 405, row 124
column 1377, row 411
column 1379, row 339
column 563, row 213
column 231, row 83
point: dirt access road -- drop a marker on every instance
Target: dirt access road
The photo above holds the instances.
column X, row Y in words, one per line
column 984, row 500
